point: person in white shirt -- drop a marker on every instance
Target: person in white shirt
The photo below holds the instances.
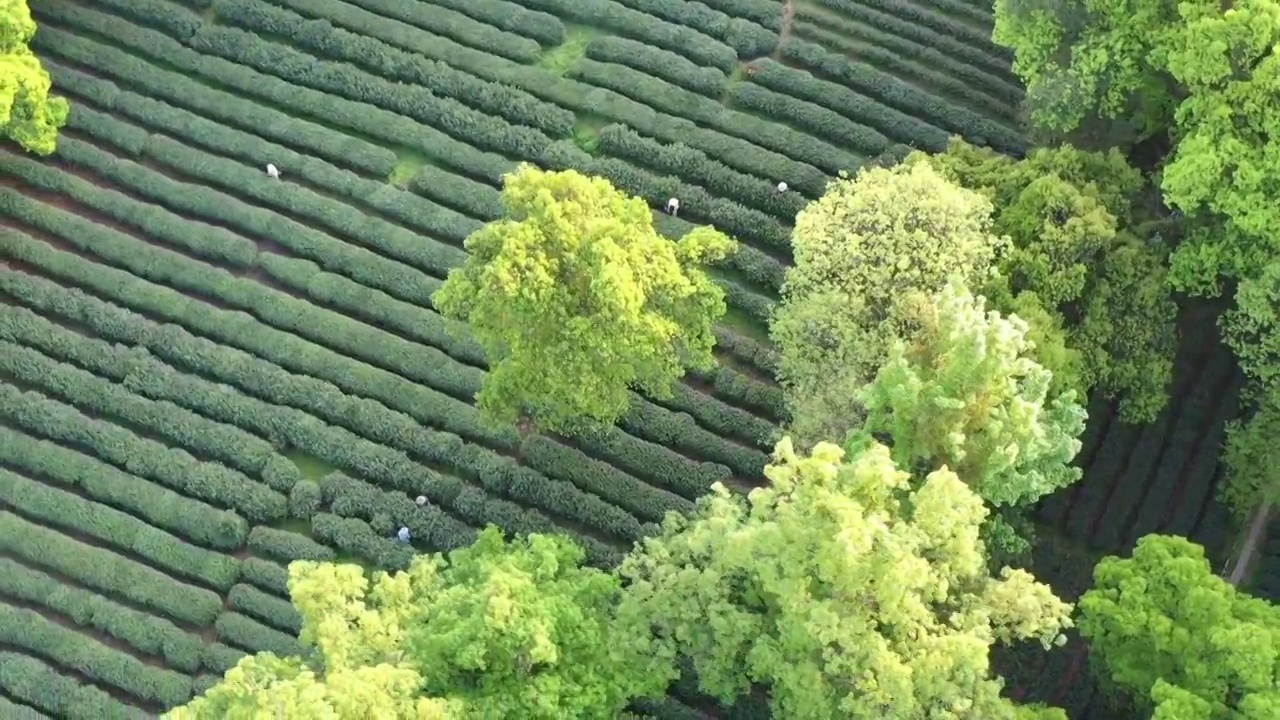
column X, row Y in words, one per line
column 403, row 535
column 673, row 206
column 273, row 172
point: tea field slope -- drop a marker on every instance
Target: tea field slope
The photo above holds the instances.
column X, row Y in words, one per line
column 210, row 373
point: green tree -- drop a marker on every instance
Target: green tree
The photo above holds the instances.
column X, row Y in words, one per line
column 1075, row 265
column 28, row 115
column 1208, row 71
column 1091, row 58
column 1251, row 452
column 358, row 667
column 861, row 253
column 1173, row 633
column 846, row 591
column 964, row 394
column 516, row 630
column 576, row 299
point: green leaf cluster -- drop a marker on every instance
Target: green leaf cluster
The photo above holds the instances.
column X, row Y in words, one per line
column 849, row 590
column 1170, row 631
column 28, row 115
column 576, row 299
column 965, row 395
column 866, row 253
column 1095, row 293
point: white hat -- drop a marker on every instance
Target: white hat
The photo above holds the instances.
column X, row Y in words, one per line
column 782, row 187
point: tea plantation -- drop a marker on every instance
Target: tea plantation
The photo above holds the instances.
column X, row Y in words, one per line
column 210, row 373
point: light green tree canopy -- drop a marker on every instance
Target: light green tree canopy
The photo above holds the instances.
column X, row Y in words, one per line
column 847, row 592
column 1169, row 630
column 861, row 250
column 1251, row 451
column 28, row 115
column 360, row 669
column 1209, row 71
column 1075, row 266
column 499, row 631
column 576, row 299
column 965, row 394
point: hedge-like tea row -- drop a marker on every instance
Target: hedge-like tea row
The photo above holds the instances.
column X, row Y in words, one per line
column 438, row 19
column 745, row 37
column 930, row 30
column 245, row 144
column 665, row 97
column 17, row 711
column 280, row 614
column 245, row 632
column 57, row 508
column 346, row 450
column 931, row 69
column 764, row 12
column 398, row 242
column 31, row 631
column 659, row 63
column 212, row 482
column 641, row 26
column 498, row 474
column 347, row 81
column 269, row 303
column 266, row 574
column 144, row 632
column 554, row 458
column 362, row 118
column 351, row 497
column 361, row 264
column 108, row 572
column 37, row 684
column 311, row 139
column 546, row 30
column 374, row 306
column 895, row 93
column 477, row 200
column 356, row 537
column 219, row 658
column 207, row 241
column 287, row 546
column 289, row 350
column 683, row 432
column 696, row 168
column 217, row 441
column 158, row 505
column 763, row 396
column 385, row 61
column 928, row 18
column 582, row 99
column 899, row 126
column 816, row 119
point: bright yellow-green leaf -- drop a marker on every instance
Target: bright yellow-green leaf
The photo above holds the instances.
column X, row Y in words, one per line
column 576, row 299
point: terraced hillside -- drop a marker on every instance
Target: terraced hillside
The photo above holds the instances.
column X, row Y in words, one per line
column 211, row 373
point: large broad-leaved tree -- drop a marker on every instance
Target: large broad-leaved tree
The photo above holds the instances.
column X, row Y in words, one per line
column 497, row 631
column 1205, row 72
column 577, row 300
column 1096, row 295
column 861, row 251
column 846, row 589
column 1180, row 638
column 965, row 394
column 28, row 114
